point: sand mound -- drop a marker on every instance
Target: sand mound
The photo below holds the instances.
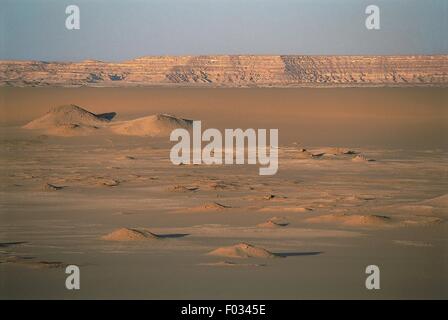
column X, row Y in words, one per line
column 67, row 120
column 274, row 223
column 441, row 201
column 125, row 234
column 180, row 188
column 110, row 183
column 361, row 158
column 159, row 125
column 355, row 220
column 212, row 206
column 338, row 151
column 273, row 197
column 126, row 158
column 51, row 187
column 317, row 155
column 243, row 250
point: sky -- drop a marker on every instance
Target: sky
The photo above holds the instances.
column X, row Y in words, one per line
column 114, row 30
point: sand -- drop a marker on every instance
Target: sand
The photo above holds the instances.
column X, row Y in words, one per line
column 242, row 250
column 31, row 262
column 354, row 220
column 72, row 120
column 210, row 206
column 159, row 125
column 274, row 222
column 69, row 120
column 361, row 158
column 126, row 234
column 60, row 195
column 231, row 264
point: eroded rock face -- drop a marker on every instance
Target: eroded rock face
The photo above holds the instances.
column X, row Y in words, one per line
column 233, row 71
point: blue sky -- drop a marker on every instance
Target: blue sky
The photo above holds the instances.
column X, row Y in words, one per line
column 115, row 30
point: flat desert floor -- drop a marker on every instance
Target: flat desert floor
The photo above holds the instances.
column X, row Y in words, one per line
column 140, row 227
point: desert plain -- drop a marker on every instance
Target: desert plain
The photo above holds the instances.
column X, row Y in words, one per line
column 362, row 180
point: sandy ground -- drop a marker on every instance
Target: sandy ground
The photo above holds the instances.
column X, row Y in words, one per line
column 58, row 199
column 140, row 227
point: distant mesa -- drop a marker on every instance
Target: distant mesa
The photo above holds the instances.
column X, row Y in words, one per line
column 233, row 71
column 158, row 125
column 126, row 234
column 243, row 250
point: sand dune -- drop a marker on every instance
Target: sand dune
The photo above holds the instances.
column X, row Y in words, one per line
column 159, row 125
column 107, row 182
column 441, row 201
column 354, row 220
column 211, row 206
column 273, row 197
column 51, row 187
column 274, row 222
column 339, row 151
column 69, row 120
column 181, row 188
column 72, row 120
column 242, row 250
column 361, row 158
column 125, row 234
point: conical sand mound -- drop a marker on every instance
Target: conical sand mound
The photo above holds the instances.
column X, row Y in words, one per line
column 353, row 220
column 125, row 234
column 441, row 201
column 159, row 125
column 69, row 120
column 242, row 250
column 361, row 158
column 274, row 223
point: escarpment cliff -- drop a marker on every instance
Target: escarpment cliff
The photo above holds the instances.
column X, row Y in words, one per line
column 233, row 71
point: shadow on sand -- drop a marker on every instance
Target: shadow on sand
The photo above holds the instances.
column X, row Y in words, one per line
column 297, row 254
column 10, row 244
column 172, row 235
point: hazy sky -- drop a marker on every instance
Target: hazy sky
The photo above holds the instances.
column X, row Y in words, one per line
column 118, row 30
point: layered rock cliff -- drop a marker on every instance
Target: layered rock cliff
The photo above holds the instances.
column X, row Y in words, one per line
column 233, row 71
